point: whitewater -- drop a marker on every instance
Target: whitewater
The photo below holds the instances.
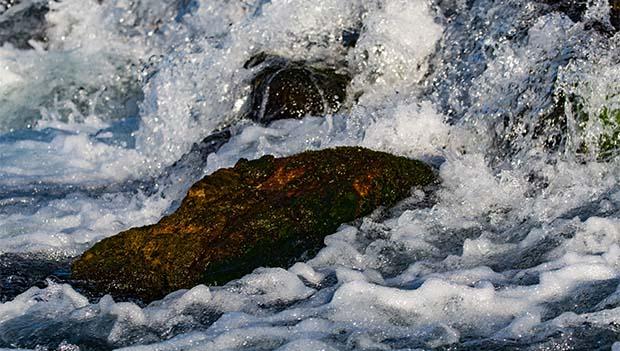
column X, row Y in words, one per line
column 518, row 248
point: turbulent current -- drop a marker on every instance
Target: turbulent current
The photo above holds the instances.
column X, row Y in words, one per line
column 103, row 102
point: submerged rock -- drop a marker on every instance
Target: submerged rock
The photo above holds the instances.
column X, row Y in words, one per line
column 576, row 10
column 286, row 89
column 614, row 13
column 265, row 212
column 22, row 22
column 350, row 37
column 597, row 131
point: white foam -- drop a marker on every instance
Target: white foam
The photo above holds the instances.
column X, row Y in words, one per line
column 514, row 246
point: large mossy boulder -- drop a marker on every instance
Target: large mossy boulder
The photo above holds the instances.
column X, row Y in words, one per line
column 265, row 212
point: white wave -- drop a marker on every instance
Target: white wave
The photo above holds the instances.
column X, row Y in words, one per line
column 520, row 245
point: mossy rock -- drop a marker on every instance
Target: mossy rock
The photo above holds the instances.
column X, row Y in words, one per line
column 285, row 89
column 265, row 212
column 605, row 143
column 609, row 143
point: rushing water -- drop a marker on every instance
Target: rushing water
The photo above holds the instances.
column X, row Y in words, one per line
column 519, row 248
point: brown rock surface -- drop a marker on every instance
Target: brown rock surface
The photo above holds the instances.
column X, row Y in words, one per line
column 264, row 212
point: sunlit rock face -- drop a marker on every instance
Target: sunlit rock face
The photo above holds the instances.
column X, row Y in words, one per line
column 234, row 220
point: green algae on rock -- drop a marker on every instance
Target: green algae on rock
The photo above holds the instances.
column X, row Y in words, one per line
column 265, row 212
column 597, row 128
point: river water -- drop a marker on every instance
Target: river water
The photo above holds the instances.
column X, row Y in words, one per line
column 518, row 248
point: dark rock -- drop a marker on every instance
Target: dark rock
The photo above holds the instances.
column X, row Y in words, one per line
column 258, row 59
column 21, row 22
column 265, row 212
column 282, row 89
column 185, row 7
column 552, row 128
column 350, row 37
column 192, row 163
column 285, row 89
column 574, row 9
column 614, row 13
column 609, row 140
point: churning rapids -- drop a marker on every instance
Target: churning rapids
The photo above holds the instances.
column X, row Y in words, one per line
column 101, row 103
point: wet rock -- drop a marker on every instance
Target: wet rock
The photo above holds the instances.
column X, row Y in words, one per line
column 265, row 212
column 609, row 140
column 192, row 164
column 574, row 9
column 551, row 128
column 21, row 22
column 282, row 89
column 350, row 37
column 602, row 144
column 286, row 89
column 614, row 13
